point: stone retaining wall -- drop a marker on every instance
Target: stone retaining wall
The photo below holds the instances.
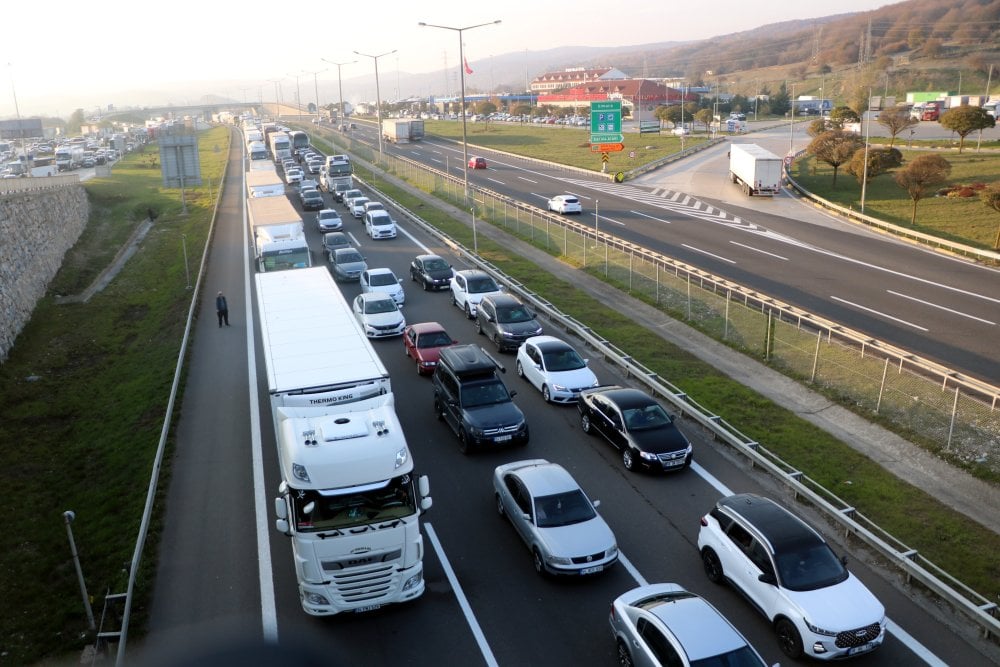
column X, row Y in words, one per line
column 36, row 230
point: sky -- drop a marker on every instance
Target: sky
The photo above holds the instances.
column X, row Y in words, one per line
column 104, row 52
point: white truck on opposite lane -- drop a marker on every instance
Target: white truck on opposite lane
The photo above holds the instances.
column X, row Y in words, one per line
column 755, row 169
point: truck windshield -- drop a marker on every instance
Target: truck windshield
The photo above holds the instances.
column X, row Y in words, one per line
column 337, row 508
column 284, row 259
column 339, row 169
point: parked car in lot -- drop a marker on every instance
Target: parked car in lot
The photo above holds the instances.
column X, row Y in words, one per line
column 787, row 571
column 554, row 368
column 506, row 321
column 554, row 517
column 637, row 426
column 423, row 343
column 663, row 624
column 378, row 315
column 312, row 200
column 469, row 287
column 328, row 220
column 476, row 162
column 473, row 401
column 347, row 264
column 383, row 281
column 565, row 204
column 431, row 271
column 333, row 241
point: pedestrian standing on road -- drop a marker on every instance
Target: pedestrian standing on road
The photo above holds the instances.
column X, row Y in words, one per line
column 222, row 309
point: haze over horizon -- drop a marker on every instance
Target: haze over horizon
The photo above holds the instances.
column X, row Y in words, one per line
column 105, row 53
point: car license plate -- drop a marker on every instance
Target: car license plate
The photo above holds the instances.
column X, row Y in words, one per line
column 674, row 463
column 592, row 570
column 864, row 648
column 502, row 438
column 371, row 607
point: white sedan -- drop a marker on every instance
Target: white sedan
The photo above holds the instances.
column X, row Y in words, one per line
column 378, row 315
column 383, row 281
column 555, row 518
column 554, row 368
column 565, row 204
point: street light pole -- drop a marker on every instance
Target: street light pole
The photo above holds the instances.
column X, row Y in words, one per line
column 791, row 123
column 69, row 516
column 378, row 95
column 340, row 85
column 597, row 213
column 461, row 71
column 315, row 85
column 277, row 97
column 864, row 173
column 298, row 95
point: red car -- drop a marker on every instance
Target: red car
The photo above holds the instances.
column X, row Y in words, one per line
column 477, row 162
column 423, row 342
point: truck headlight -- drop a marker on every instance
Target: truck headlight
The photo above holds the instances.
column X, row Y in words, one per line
column 316, row 599
column 413, row 581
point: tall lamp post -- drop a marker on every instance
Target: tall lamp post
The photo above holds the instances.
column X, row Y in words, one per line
column 315, row 85
column 298, row 94
column 864, row 174
column 340, row 85
column 461, row 71
column 277, row 97
column 378, row 95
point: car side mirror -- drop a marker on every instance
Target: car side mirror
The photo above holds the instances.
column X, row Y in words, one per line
column 527, row 517
column 768, row 579
column 513, row 393
column 596, row 504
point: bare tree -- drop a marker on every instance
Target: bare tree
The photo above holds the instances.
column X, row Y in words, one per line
column 965, row 120
column 991, row 197
column 834, row 147
column 921, row 174
column 896, row 120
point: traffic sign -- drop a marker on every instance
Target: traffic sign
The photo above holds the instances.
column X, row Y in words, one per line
column 606, row 122
column 604, row 157
column 607, row 148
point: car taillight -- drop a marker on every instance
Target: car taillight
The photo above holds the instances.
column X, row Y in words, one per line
column 704, row 522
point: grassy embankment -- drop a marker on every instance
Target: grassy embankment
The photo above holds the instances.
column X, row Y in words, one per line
column 948, row 538
column 83, row 396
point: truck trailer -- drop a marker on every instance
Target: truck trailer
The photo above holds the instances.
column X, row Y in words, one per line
column 348, row 497
column 279, row 235
column 261, row 183
column 756, row 170
column 402, row 130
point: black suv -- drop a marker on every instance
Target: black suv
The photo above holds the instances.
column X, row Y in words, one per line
column 506, row 321
column 472, row 399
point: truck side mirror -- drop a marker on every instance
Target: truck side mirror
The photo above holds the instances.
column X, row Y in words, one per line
column 426, row 503
column 282, row 526
column 280, row 508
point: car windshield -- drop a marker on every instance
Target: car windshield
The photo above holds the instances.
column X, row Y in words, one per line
column 349, row 257
column 329, row 215
column 647, row 417
column 373, row 306
column 381, row 279
column 381, row 220
column 484, row 284
column 489, row 393
column 744, row 656
column 434, row 339
column 563, row 509
column 349, row 194
column 565, row 359
column 435, row 265
column 332, row 509
column 512, row 314
column 374, row 206
column 359, row 202
column 809, row 567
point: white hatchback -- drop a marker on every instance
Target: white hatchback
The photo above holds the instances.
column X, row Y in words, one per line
column 383, row 281
column 565, row 204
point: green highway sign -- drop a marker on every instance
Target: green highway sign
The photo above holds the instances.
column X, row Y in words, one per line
column 606, row 122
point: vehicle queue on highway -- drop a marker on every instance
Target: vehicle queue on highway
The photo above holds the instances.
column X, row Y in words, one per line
column 635, row 425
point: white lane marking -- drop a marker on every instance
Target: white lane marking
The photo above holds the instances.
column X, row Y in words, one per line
column 934, row 305
column 535, row 194
column 705, row 252
column 651, row 217
column 495, row 181
column 434, row 159
column 604, row 217
column 354, row 239
column 529, row 180
column 261, row 504
column 639, row 579
column 463, row 602
column 878, row 312
column 918, row 649
column 412, row 238
column 763, row 252
column 712, row 480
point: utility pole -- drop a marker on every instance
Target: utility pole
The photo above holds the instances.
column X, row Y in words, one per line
column 340, row 86
column 315, row 85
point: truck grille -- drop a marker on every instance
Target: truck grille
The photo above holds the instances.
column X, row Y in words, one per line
column 365, row 584
column 852, row 638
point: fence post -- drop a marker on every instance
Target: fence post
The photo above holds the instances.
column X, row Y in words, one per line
column 951, row 423
column 819, row 338
column 881, row 387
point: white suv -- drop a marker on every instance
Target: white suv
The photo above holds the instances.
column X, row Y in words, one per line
column 469, row 287
column 786, row 569
column 380, row 225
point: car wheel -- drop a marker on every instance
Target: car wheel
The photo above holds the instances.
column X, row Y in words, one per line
column 624, row 657
column 627, row 459
column 546, row 396
column 499, row 505
column 788, row 638
column 454, row 301
column 585, row 424
column 438, row 412
column 427, row 286
column 713, row 566
column 413, row 276
column 520, row 370
column 468, row 311
column 463, row 442
column 479, row 327
column 536, row 559
column 406, row 351
column 498, row 342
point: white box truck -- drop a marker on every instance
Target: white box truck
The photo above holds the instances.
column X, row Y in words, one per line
column 262, row 183
column 279, row 235
column 755, row 169
column 348, row 497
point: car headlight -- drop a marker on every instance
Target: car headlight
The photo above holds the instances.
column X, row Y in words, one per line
column 649, row 456
column 559, row 560
column 818, row 630
column 613, row 551
column 558, row 387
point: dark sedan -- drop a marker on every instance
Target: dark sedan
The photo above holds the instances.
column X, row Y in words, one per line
column 431, row 271
column 312, row 200
column 637, row 425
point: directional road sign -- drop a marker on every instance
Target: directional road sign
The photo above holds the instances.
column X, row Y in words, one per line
column 607, row 148
column 606, row 122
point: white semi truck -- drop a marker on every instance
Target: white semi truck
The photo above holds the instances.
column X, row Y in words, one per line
column 280, row 145
column 348, row 497
column 69, row 156
column 337, row 169
column 755, row 169
column 262, row 183
column 402, row 130
column 279, row 235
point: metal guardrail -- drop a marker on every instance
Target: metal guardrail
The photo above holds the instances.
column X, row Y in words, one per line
column 909, row 560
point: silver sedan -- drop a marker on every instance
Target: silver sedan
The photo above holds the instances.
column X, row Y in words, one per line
column 554, row 517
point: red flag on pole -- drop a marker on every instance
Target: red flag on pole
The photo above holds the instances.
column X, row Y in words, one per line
column 468, row 70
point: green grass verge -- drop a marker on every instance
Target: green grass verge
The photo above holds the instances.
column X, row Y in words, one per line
column 83, row 398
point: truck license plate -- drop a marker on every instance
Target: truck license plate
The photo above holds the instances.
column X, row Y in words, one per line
column 502, row 438
column 371, row 607
column 592, row 570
